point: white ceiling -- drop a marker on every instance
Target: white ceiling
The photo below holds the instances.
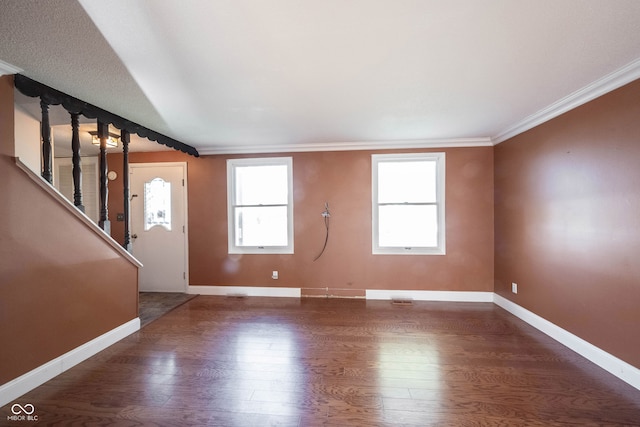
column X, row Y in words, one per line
column 278, row 75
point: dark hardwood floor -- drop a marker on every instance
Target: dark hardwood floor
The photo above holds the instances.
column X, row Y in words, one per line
column 218, row 361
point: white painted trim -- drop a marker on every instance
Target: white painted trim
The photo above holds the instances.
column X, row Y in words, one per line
column 453, row 296
column 185, row 201
column 6, row 68
column 440, row 160
column 606, row 84
column 606, row 361
column 38, row 376
column 185, row 204
column 64, row 202
column 348, row 146
column 250, row 291
column 232, row 165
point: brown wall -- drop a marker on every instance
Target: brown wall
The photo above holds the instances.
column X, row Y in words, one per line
column 60, row 284
column 343, row 179
column 567, row 221
column 7, row 131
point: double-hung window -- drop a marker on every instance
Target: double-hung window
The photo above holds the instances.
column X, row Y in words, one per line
column 408, row 203
column 260, row 205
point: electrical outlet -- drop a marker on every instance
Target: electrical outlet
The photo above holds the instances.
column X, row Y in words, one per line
column 274, row 275
column 514, row 287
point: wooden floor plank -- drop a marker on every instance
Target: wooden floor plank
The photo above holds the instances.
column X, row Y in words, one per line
column 328, row 362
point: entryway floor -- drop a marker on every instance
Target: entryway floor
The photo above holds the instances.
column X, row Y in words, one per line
column 153, row 305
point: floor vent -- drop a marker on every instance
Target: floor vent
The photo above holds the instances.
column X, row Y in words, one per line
column 401, row 301
column 236, row 296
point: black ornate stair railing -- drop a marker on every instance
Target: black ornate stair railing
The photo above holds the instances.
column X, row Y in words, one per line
column 52, row 96
column 49, row 96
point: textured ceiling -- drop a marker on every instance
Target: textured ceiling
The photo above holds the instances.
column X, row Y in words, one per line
column 250, row 75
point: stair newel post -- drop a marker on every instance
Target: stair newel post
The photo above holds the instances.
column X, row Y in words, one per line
column 45, row 131
column 103, row 134
column 124, row 137
column 76, row 159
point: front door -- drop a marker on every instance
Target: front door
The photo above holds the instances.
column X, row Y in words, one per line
column 158, row 225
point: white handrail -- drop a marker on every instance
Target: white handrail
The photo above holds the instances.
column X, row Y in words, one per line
column 53, row 192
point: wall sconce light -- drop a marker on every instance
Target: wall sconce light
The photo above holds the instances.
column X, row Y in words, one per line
column 111, row 142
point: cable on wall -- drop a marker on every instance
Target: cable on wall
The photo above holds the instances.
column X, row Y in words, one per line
column 325, row 215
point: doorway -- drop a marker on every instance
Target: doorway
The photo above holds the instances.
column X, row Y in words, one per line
column 159, row 225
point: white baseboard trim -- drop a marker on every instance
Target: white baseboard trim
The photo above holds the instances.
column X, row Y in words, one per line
column 453, row 296
column 40, row 375
column 372, row 294
column 250, row 291
column 621, row 369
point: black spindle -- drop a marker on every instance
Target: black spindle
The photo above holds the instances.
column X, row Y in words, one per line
column 124, row 137
column 77, row 169
column 103, row 134
column 45, row 130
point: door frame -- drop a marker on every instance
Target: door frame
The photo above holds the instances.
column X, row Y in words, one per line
column 185, row 204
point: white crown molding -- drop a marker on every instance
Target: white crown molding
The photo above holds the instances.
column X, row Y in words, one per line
column 348, row 146
column 606, row 84
column 6, row 68
column 621, row 369
column 40, row 375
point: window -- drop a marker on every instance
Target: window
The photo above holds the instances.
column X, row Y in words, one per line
column 260, row 205
column 408, row 203
column 157, row 204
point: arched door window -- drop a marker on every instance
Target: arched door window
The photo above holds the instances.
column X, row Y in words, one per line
column 157, row 204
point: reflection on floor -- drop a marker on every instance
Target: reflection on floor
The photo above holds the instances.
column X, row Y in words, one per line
column 153, row 305
column 316, row 362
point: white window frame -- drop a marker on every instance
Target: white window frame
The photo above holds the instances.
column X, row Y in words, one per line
column 439, row 158
column 231, row 191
